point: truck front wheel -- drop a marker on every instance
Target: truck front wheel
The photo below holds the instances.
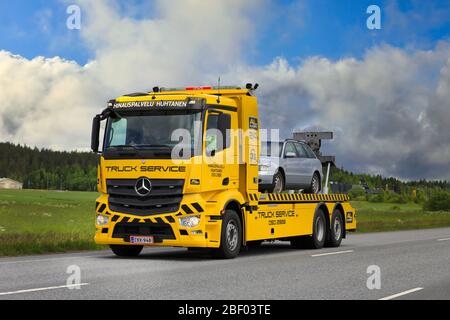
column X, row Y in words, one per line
column 231, row 238
column 126, row 251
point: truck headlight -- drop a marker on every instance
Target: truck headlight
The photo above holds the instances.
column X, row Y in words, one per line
column 190, row 222
column 102, row 220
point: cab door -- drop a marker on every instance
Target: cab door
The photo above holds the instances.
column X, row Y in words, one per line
column 220, row 166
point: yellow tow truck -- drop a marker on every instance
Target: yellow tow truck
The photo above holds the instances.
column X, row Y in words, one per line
column 179, row 168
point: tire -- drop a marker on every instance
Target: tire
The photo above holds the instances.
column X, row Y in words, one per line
column 231, row 238
column 126, row 251
column 314, row 187
column 337, row 229
column 278, row 184
column 319, row 236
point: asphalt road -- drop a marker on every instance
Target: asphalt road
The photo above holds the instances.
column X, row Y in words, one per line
column 413, row 265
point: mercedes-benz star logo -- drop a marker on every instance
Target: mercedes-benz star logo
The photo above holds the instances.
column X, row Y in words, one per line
column 143, row 187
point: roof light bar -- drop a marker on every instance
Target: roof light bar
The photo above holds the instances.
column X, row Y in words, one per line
column 200, row 88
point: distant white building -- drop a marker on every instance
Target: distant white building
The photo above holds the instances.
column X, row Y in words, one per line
column 6, row 183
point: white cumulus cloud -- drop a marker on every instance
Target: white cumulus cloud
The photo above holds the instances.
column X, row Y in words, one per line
column 390, row 109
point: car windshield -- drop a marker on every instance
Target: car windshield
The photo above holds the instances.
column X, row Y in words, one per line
column 152, row 131
column 271, row 149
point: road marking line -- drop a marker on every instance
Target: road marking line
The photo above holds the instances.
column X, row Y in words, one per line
column 444, row 239
column 401, row 294
column 46, row 260
column 42, row 289
column 331, row 253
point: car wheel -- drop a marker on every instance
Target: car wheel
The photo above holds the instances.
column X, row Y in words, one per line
column 314, row 188
column 278, row 183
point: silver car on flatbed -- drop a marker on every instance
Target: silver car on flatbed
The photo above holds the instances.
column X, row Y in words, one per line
column 289, row 165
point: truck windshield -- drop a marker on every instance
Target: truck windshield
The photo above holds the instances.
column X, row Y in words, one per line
column 151, row 133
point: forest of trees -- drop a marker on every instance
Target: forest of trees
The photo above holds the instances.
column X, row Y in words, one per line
column 433, row 195
column 46, row 169
column 77, row 171
column 379, row 182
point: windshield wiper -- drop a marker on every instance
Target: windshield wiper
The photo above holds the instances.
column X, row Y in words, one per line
column 141, row 146
column 157, row 148
column 124, row 147
column 154, row 146
column 133, row 149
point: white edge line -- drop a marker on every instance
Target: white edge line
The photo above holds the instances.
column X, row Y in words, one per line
column 444, row 239
column 44, row 260
column 43, row 289
column 331, row 253
column 401, row 294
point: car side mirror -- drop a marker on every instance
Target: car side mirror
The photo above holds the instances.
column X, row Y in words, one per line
column 291, row 155
column 95, row 136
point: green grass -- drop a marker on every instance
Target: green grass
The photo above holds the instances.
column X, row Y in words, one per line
column 33, row 222
column 376, row 217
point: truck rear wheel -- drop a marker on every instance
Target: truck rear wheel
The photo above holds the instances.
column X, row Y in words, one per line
column 337, row 228
column 231, row 239
column 317, row 239
column 126, row 251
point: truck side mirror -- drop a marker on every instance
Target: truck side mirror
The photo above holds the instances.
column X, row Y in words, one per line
column 95, row 136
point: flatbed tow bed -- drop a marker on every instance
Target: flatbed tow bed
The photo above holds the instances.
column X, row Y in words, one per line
column 283, row 215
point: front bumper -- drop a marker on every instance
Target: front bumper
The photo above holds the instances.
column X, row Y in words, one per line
column 265, row 178
column 165, row 228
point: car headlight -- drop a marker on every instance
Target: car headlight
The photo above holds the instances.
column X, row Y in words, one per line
column 264, row 167
column 190, row 222
column 102, row 220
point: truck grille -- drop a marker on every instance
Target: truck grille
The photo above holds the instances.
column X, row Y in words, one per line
column 165, row 197
column 158, row 231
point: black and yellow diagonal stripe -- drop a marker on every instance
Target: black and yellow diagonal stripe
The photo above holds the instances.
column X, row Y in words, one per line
column 146, row 220
column 289, row 198
column 192, row 208
column 101, row 208
column 186, row 209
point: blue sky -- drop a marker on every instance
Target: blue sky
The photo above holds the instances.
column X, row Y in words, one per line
column 385, row 92
column 291, row 29
column 38, row 28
